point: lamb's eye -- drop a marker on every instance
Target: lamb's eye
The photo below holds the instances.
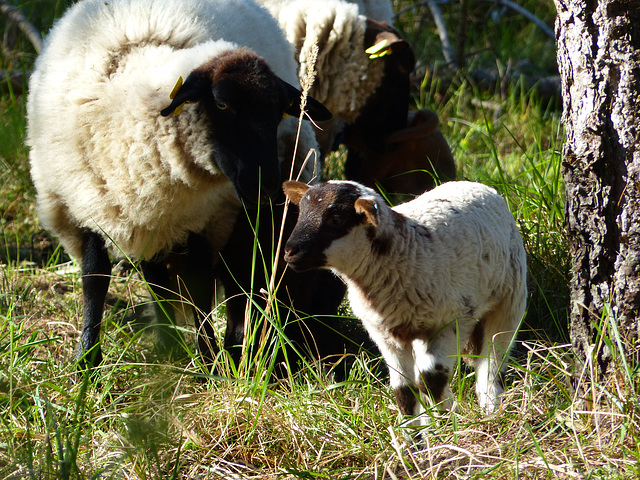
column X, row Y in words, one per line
column 222, row 105
column 337, row 220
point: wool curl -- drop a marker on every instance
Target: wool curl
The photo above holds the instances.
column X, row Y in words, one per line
column 346, row 76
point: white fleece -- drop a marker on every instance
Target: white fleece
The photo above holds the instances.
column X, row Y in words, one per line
column 346, row 76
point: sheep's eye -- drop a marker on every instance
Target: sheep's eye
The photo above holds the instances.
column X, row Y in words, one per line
column 222, row 105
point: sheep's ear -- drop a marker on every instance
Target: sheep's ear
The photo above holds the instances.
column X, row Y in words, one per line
column 316, row 110
column 191, row 90
column 294, row 190
column 369, row 208
column 381, row 39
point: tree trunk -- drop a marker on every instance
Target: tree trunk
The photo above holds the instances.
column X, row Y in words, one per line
column 599, row 63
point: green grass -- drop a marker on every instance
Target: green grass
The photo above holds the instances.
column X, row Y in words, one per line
column 154, row 417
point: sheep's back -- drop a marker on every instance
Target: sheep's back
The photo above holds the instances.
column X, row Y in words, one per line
column 95, row 29
column 345, row 75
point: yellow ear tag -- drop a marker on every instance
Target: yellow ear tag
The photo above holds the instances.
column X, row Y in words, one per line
column 176, row 87
column 174, row 92
column 378, row 50
column 178, row 110
column 285, row 114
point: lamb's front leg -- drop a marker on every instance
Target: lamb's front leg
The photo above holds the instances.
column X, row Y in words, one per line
column 399, row 358
column 435, row 358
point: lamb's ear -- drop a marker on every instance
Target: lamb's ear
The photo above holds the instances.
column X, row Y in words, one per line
column 294, row 190
column 193, row 89
column 316, row 110
column 369, row 208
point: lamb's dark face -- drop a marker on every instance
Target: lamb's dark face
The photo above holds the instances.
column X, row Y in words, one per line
column 328, row 213
column 244, row 102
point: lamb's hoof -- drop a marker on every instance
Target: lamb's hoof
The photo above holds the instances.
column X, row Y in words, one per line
column 489, row 401
column 414, row 431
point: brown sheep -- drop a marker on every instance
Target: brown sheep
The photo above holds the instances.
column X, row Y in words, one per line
column 412, row 161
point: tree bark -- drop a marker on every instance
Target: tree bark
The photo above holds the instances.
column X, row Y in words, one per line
column 599, row 63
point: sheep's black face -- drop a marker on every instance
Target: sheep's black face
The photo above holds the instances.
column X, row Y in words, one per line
column 386, row 110
column 244, row 137
column 326, row 214
column 244, row 102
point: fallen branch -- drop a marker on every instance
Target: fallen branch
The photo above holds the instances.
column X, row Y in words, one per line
column 27, row 28
column 547, row 87
column 527, row 14
column 441, row 25
column 447, row 49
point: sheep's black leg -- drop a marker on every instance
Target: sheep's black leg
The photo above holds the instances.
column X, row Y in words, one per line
column 185, row 275
column 96, row 271
column 157, row 277
column 239, row 277
column 236, row 308
column 312, row 294
column 200, row 282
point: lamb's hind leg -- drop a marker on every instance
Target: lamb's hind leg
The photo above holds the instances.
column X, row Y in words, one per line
column 490, row 343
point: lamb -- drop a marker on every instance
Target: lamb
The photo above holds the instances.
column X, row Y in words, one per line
column 431, row 279
column 118, row 168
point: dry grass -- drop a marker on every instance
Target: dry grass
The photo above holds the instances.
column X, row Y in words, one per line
column 149, row 419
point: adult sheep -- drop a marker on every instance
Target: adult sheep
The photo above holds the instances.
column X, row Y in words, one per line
column 440, row 276
column 117, row 169
column 347, row 78
column 363, row 70
column 413, row 159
